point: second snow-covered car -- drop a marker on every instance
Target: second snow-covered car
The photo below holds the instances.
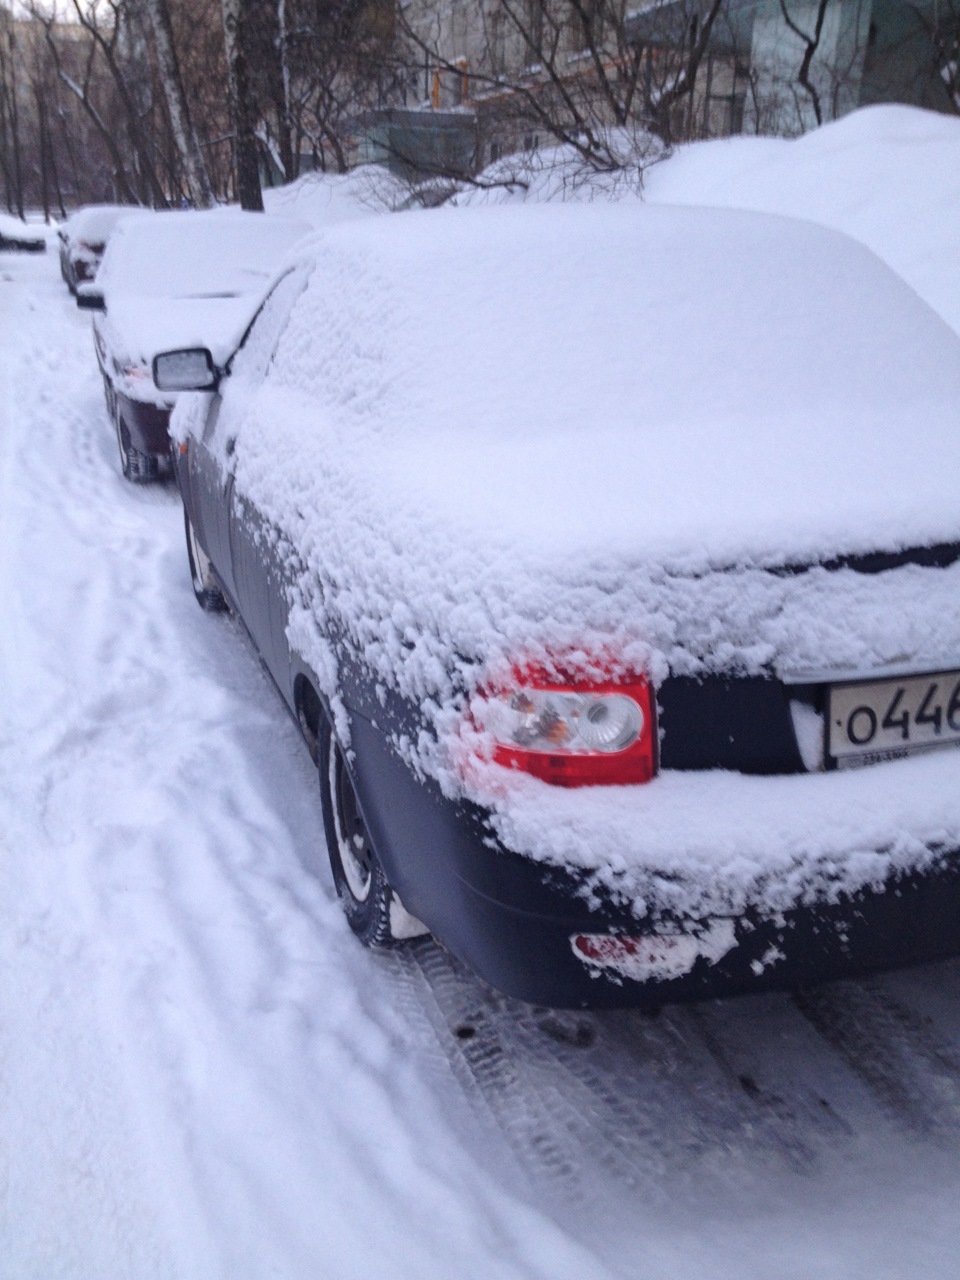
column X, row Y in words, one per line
column 172, row 279
column 609, row 560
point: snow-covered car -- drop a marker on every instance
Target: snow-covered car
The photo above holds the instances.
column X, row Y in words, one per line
column 609, row 561
column 18, row 237
column 173, row 279
column 83, row 240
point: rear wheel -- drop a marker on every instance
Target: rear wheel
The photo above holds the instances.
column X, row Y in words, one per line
column 205, row 586
column 374, row 912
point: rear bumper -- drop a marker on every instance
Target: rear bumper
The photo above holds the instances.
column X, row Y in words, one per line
column 911, row 920
column 146, row 424
column 513, row 919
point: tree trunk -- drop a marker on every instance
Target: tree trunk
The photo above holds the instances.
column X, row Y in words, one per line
column 9, row 88
column 243, row 106
column 188, row 149
column 288, row 158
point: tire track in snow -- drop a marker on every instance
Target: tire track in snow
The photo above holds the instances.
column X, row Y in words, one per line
column 210, row 931
column 593, row 1105
column 912, row 1071
column 472, row 1020
column 713, row 1099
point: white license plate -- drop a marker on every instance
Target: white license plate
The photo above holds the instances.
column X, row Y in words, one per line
column 888, row 718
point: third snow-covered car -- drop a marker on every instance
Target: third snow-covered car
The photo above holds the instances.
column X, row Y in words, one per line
column 84, row 238
column 173, row 279
column 609, row 559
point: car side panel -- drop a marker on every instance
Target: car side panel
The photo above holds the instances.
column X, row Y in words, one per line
column 209, row 483
column 258, row 578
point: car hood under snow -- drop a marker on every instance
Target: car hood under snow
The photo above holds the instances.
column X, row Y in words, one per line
column 138, row 328
column 185, row 279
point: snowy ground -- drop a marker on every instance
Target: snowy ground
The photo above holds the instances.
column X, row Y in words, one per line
column 203, row 1077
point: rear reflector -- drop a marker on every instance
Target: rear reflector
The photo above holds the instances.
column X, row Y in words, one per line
column 654, row 956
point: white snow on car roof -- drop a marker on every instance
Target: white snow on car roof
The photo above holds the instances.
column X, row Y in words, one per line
column 96, row 221
column 13, row 229
column 695, row 386
column 192, row 255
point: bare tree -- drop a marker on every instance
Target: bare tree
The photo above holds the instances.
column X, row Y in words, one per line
column 333, row 59
column 11, row 154
column 135, row 165
column 810, row 40
column 184, row 137
column 236, row 27
column 613, row 82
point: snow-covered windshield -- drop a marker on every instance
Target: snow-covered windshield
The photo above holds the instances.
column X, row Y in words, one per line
column 96, row 222
column 197, row 255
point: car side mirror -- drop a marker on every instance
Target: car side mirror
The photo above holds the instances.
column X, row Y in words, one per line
column 189, row 370
column 90, row 298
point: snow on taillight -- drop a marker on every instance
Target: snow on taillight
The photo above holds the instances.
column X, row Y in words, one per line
column 572, row 734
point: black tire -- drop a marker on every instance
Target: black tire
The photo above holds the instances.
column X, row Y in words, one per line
column 204, row 582
column 137, row 467
column 361, row 885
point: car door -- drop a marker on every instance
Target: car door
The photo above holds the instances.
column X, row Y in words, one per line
column 211, row 485
column 244, row 538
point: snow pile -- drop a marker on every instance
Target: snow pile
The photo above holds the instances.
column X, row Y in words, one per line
column 95, row 223
column 15, row 232
column 604, row 430
column 324, row 199
column 560, row 174
column 887, row 175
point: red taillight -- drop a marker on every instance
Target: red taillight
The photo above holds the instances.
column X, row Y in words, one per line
column 572, row 733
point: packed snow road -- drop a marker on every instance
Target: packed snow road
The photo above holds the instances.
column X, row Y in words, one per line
column 203, row 1075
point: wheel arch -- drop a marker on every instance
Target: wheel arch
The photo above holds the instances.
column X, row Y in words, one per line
column 309, row 707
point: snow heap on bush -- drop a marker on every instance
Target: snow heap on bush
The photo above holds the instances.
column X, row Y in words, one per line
column 887, row 175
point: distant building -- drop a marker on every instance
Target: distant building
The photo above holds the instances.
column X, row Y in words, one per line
column 868, row 51
column 479, row 71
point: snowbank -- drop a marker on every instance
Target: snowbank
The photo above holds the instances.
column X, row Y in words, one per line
column 887, row 175
column 13, row 232
column 325, row 199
